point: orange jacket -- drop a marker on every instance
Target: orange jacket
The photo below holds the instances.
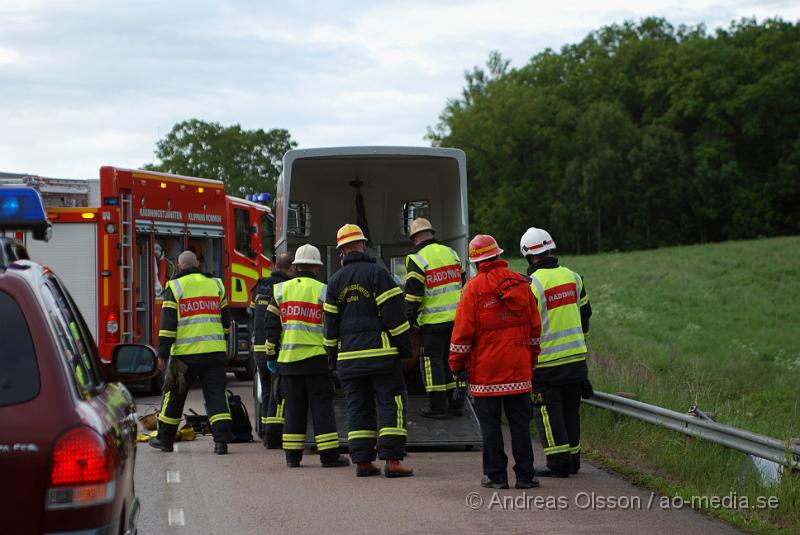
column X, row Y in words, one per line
column 496, row 332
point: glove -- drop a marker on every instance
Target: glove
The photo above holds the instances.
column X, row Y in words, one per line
column 586, row 389
column 272, row 366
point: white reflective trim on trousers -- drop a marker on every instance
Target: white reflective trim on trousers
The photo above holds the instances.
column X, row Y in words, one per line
column 452, row 287
column 195, row 321
column 178, row 291
column 203, row 338
column 312, row 329
column 562, row 347
column 434, row 310
column 561, row 334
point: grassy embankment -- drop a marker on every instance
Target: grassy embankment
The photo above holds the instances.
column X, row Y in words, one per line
column 713, row 325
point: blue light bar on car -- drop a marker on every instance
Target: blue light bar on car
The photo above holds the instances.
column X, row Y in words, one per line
column 22, row 209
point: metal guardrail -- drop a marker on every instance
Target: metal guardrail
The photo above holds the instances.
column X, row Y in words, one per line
column 762, row 446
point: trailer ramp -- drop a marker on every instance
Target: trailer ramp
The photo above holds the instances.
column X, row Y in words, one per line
column 454, row 432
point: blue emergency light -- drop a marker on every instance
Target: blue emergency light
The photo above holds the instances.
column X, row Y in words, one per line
column 22, row 209
column 259, row 197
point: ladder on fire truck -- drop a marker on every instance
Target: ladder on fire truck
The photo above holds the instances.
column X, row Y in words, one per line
column 126, row 266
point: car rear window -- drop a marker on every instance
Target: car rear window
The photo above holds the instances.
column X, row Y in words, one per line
column 19, row 371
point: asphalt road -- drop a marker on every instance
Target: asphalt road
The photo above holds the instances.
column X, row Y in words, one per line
column 252, row 491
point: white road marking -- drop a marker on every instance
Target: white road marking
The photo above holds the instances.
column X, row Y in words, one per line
column 173, row 476
column 175, row 517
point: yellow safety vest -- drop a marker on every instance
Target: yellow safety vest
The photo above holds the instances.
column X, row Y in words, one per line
column 300, row 303
column 558, row 294
column 442, row 281
column 200, row 300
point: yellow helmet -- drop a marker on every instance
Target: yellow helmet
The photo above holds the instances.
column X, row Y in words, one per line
column 349, row 233
column 418, row 225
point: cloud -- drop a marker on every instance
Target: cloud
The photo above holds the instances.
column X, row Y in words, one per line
column 87, row 83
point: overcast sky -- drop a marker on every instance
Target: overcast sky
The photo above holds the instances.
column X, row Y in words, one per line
column 88, row 83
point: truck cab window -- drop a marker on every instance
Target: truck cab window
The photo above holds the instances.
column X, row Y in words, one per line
column 413, row 210
column 242, row 231
column 299, row 223
column 267, row 236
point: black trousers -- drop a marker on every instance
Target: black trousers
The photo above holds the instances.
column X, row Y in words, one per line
column 386, row 425
column 517, row 408
column 272, row 409
column 210, row 369
column 301, row 392
column 434, row 365
column 558, row 421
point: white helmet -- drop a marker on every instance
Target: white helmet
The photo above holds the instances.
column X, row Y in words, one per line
column 307, row 255
column 536, row 241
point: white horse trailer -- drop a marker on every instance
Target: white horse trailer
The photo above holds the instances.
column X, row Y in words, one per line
column 382, row 189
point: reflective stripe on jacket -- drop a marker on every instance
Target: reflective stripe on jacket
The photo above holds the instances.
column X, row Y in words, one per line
column 440, row 273
column 199, row 301
column 558, row 296
column 298, row 303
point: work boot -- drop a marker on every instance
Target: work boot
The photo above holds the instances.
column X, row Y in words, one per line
column 487, row 483
column 293, row 464
column 396, row 468
column 272, row 446
column 546, row 472
column 220, row 448
column 335, row 463
column 430, row 413
column 367, row 469
column 534, row 484
column 157, row 444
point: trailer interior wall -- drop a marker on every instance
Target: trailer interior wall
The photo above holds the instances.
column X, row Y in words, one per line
column 388, row 183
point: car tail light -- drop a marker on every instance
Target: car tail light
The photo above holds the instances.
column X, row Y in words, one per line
column 82, row 473
column 112, row 328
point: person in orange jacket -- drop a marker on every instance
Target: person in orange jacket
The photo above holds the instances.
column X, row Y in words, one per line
column 496, row 340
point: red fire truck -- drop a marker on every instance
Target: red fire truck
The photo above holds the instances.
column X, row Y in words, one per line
column 117, row 252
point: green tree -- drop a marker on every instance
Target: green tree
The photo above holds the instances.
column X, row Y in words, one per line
column 640, row 135
column 248, row 161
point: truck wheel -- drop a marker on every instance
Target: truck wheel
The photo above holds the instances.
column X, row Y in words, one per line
column 248, row 372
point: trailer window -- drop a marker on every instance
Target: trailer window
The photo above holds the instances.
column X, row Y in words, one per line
column 241, row 218
column 299, row 219
column 19, row 371
column 413, row 210
column 267, row 236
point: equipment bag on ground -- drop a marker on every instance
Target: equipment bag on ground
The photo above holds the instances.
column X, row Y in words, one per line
column 241, row 428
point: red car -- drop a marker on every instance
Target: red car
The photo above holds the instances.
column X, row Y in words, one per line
column 67, row 425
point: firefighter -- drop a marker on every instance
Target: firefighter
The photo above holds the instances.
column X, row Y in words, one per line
column 272, row 404
column 195, row 323
column 366, row 334
column 495, row 338
column 295, row 322
column 434, row 277
column 561, row 372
